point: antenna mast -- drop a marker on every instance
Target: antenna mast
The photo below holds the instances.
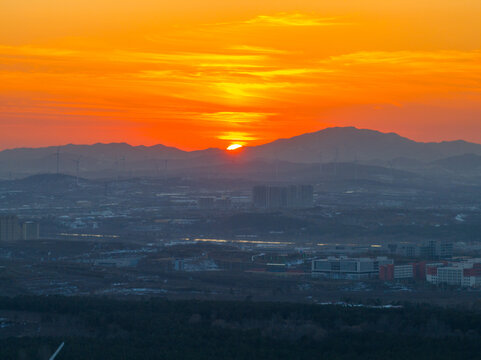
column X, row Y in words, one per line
column 77, row 164
column 335, row 162
column 320, row 164
column 57, row 154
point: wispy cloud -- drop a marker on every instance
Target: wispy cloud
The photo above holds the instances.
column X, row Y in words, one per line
column 294, row 19
column 230, row 66
column 243, row 91
column 287, row 72
column 257, row 49
column 192, row 58
column 234, row 117
column 18, row 51
column 411, row 58
column 237, row 136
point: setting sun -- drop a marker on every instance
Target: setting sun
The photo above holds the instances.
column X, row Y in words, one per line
column 234, row 147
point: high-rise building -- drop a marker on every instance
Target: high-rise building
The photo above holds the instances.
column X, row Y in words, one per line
column 305, row 195
column 259, row 196
column 292, row 196
column 275, row 197
column 436, row 249
column 30, row 231
column 9, row 228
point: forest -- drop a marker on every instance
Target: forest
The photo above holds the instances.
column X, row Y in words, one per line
column 105, row 328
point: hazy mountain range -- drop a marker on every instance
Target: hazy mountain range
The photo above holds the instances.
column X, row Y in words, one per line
column 341, row 150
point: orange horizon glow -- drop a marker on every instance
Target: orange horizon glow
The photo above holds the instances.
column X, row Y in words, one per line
column 211, row 74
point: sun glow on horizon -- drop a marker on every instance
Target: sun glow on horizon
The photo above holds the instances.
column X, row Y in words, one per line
column 234, row 147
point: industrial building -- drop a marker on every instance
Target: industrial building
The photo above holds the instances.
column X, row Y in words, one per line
column 349, row 268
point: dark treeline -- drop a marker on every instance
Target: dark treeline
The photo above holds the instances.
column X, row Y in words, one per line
column 161, row 329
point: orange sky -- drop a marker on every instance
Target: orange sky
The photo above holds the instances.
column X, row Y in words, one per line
column 196, row 74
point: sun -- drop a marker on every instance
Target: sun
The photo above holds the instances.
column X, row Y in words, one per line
column 234, row 147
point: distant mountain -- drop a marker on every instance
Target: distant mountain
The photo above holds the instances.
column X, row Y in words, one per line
column 104, row 158
column 461, row 163
column 44, row 183
column 349, row 144
column 370, row 153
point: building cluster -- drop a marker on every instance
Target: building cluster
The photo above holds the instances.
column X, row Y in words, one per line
column 276, row 197
column 465, row 273
column 428, row 249
column 11, row 229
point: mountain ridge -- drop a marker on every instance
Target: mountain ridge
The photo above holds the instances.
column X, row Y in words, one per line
column 160, row 145
column 352, row 144
column 330, row 145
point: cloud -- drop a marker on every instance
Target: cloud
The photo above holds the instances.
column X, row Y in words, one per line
column 437, row 59
column 189, row 58
column 295, row 19
column 257, row 49
column 234, row 117
column 229, row 66
column 287, row 72
column 20, row 51
column 242, row 92
column 237, row 136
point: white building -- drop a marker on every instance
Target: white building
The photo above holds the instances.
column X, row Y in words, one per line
column 465, row 274
column 403, row 271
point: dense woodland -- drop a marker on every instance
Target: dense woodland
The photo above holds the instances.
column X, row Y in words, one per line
column 95, row 328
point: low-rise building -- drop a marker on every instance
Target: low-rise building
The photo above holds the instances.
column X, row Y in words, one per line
column 464, row 274
column 350, row 268
column 391, row 272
